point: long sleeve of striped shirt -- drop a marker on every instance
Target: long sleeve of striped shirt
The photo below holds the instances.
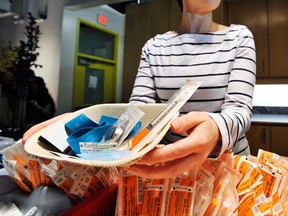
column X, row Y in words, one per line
column 226, row 63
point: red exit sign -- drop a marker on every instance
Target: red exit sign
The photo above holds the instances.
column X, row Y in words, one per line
column 102, row 19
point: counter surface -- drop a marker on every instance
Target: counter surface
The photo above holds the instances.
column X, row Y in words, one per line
column 270, row 118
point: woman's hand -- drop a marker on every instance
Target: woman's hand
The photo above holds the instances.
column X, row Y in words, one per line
column 40, row 126
column 185, row 154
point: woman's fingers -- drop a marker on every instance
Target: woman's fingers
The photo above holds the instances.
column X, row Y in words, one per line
column 168, row 169
column 173, row 151
column 188, row 121
column 32, row 130
column 176, row 158
column 40, row 126
column 200, row 141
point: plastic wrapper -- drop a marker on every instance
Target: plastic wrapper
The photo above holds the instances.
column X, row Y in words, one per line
column 204, row 191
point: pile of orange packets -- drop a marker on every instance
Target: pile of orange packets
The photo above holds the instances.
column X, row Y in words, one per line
column 228, row 186
column 78, row 181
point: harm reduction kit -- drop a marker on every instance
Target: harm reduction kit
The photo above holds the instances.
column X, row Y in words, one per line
column 108, row 135
column 82, row 153
column 86, row 151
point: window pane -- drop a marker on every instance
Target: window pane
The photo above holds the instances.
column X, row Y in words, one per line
column 94, row 86
column 95, row 42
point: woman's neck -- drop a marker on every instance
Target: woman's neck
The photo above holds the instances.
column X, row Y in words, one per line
column 194, row 23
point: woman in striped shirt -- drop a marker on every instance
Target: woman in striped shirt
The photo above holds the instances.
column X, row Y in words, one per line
column 217, row 116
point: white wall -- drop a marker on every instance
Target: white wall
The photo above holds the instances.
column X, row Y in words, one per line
column 271, row 95
column 49, row 43
column 116, row 22
column 50, row 47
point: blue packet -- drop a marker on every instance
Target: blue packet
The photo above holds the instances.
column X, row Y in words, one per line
column 83, row 129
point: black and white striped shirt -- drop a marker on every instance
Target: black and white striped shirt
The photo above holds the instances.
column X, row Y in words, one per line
column 226, row 63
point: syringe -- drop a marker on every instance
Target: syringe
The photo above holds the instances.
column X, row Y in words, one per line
column 176, row 101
